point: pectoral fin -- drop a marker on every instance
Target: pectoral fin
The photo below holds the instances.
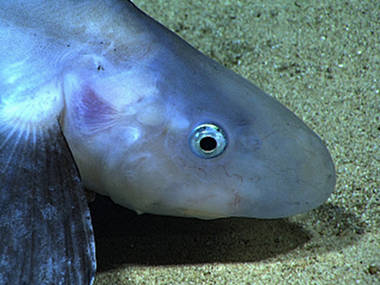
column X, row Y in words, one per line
column 46, row 235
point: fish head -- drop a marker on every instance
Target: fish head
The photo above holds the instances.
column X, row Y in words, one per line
column 176, row 133
column 232, row 150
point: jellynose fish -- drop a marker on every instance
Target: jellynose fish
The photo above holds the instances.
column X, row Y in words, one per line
column 98, row 94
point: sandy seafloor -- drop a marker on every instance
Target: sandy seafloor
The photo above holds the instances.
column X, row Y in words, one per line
column 321, row 60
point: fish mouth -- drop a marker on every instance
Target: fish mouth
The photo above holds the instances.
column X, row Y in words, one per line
column 305, row 188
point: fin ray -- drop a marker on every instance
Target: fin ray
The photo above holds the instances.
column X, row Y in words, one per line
column 46, row 235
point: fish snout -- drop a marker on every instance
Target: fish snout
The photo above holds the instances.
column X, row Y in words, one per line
column 289, row 171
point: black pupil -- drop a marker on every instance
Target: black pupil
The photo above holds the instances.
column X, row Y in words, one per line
column 208, row 144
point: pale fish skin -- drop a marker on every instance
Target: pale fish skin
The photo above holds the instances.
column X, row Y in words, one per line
column 126, row 94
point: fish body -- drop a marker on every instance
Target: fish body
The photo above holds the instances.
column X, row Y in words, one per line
column 98, row 94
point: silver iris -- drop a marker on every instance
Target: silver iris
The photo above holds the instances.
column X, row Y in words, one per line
column 208, row 140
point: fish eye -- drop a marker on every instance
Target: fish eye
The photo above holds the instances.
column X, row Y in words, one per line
column 208, row 140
